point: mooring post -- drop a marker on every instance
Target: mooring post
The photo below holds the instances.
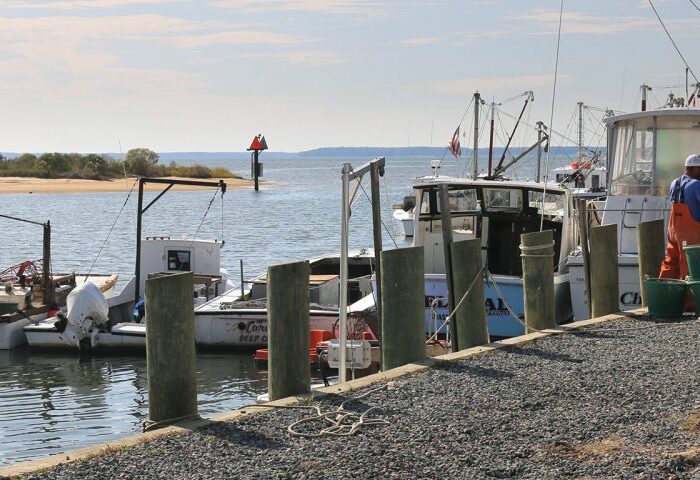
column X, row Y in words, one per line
column 651, row 245
column 170, row 348
column 403, row 306
column 604, row 274
column 538, row 280
column 472, row 326
column 288, row 330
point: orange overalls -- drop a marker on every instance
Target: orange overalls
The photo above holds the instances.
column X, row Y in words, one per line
column 682, row 227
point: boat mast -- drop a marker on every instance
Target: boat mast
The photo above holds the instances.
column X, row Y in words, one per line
column 580, row 130
column 540, row 126
column 493, row 107
column 475, row 153
column 645, row 88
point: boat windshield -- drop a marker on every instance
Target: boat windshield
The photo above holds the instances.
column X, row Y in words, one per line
column 553, row 205
column 462, row 200
column 503, row 199
column 649, row 153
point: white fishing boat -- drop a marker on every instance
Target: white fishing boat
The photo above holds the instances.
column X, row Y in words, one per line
column 646, row 152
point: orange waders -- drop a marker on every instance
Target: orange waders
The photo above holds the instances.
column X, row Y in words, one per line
column 682, row 227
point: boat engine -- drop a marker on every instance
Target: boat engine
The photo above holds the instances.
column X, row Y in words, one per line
column 87, row 311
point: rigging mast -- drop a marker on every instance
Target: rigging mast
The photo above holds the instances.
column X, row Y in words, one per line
column 475, row 152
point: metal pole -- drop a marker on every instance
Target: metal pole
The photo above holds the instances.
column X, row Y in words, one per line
column 580, row 130
column 493, row 107
column 375, row 173
column 242, row 282
column 46, row 268
column 539, row 151
column 255, row 168
column 343, row 320
column 139, row 210
column 644, row 88
column 446, row 220
column 475, row 153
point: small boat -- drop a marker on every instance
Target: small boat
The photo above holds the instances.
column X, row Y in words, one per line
column 403, row 216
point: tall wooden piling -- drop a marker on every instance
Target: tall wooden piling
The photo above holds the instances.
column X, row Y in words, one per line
column 582, row 209
column 403, row 306
column 538, row 279
column 170, row 348
column 472, row 327
column 604, row 272
column 288, row 329
column 651, row 247
column 446, row 220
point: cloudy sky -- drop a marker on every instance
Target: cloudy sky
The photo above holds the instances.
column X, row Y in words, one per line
column 207, row 75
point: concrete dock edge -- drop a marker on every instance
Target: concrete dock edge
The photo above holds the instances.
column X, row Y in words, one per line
column 28, row 467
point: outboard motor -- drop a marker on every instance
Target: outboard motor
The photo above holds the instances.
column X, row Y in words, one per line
column 87, row 310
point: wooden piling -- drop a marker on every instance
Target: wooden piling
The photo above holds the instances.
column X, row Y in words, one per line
column 446, row 220
column 651, row 245
column 170, row 347
column 288, row 330
column 582, row 209
column 472, row 326
column 538, row 280
column 604, row 273
column 403, row 306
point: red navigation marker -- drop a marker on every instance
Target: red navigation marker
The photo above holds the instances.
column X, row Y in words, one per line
column 258, row 144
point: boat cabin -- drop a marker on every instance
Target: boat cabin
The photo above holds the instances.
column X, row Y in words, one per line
column 498, row 212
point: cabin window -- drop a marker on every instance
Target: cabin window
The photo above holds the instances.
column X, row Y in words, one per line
column 463, row 200
column 634, row 159
column 503, row 199
column 595, row 181
column 560, row 177
column 553, row 205
column 425, row 202
column 179, row 260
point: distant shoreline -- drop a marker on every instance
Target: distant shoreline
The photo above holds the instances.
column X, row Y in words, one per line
column 70, row 185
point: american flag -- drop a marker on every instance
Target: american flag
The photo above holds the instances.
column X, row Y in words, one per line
column 454, row 146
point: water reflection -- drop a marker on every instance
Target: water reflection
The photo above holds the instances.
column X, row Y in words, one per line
column 54, row 403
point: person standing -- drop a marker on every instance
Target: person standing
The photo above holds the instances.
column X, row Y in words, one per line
column 684, row 223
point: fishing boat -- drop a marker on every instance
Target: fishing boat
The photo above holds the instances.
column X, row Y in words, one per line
column 646, row 152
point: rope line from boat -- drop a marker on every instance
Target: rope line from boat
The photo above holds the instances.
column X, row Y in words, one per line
column 201, row 222
column 362, row 187
column 551, row 112
column 670, row 37
column 343, row 423
column 387, row 205
column 126, row 200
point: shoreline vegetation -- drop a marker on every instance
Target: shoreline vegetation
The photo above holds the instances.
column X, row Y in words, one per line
column 76, row 173
column 97, row 167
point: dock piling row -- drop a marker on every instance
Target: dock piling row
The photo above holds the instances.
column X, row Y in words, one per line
column 651, row 247
column 403, row 306
column 288, row 330
column 472, row 327
column 604, row 277
column 538, row 280
column 170, row 347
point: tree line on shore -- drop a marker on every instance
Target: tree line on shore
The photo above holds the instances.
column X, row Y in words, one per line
column 93, row 166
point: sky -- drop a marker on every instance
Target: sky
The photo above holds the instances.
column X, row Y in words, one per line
column 208, row 75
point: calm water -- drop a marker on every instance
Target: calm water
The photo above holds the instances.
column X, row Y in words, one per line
column 52, row 404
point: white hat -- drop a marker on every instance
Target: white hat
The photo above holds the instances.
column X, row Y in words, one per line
column 692, row 160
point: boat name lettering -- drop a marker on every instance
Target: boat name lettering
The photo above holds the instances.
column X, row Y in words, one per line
column 631, row 298
column 254, row 327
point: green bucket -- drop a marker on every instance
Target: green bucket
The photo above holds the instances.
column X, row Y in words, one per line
column 692, row 253
column 694, row 287
column 665, row 297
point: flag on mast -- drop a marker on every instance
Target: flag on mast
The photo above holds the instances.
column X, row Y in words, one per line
column 454, row 145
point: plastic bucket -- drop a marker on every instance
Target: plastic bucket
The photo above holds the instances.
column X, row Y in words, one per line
column 665, row 297
column 692, row 253
column 694, row 287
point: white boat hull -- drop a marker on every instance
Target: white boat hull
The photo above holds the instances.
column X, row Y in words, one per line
column 403, row 221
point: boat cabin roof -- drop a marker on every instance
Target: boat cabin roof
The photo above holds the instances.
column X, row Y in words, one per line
column 662, row 112
column 430, row 181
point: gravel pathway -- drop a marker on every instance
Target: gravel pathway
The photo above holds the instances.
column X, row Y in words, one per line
column 621, row 404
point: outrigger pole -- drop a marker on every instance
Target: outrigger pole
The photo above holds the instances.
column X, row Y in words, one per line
column 141, row 210
column 46, row 257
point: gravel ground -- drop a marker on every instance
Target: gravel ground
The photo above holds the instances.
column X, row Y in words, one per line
column 593, row 406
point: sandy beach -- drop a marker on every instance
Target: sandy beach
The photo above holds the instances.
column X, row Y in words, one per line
column 67, row 185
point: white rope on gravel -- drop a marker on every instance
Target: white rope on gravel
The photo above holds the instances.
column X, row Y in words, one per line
column 343, row 423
